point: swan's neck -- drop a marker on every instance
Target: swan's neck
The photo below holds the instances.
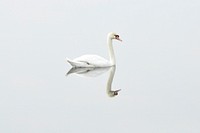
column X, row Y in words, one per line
column 109, row 82
column 111, row 51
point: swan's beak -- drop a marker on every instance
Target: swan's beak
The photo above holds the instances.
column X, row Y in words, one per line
column 118, row 39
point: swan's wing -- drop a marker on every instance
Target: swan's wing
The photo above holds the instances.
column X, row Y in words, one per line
column 93, row 60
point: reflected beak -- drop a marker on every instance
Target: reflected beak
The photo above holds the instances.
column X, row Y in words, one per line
column 116, row 92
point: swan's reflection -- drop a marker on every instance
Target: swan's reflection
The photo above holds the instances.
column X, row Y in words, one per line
column 87, row 71
column 111, row 92
column 93, row 72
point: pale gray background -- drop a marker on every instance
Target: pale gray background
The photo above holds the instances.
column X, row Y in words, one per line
column 157, row 66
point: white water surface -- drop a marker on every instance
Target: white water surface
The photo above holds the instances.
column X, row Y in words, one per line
column 157, row 66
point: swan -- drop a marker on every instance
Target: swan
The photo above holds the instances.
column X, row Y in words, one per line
column 95, row 60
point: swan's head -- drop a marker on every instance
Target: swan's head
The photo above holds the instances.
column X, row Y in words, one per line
column 113, row 93
column 113, row 35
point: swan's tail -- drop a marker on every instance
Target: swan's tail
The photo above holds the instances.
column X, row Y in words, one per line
column 77, row 64
column 72, row 63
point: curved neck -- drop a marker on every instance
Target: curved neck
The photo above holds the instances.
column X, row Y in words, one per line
column 111, row 51
column 110, row 80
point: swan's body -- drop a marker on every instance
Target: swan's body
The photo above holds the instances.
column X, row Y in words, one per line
column 95, row 60
column 89, row 61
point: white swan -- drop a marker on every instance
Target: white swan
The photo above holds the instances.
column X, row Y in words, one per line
column 95, row 60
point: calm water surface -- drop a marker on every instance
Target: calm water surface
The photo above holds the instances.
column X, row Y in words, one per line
column 157, row 69
column 41, row 97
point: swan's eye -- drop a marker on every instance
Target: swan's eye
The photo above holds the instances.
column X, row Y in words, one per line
column 117, row 36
